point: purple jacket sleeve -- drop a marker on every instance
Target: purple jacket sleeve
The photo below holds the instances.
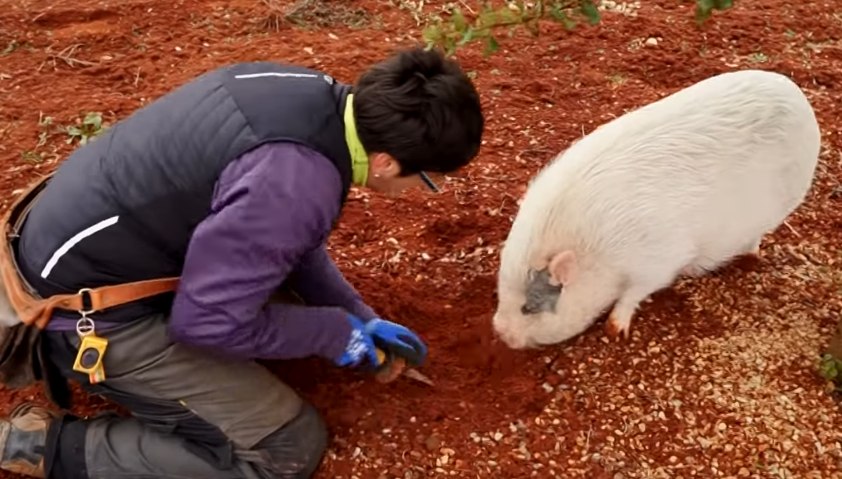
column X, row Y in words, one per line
column 318, row 281
column 273, row 207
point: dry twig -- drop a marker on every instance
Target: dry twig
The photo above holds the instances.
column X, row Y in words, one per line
column 67, row 57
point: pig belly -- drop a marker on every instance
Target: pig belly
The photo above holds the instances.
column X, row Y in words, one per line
column 735, row 226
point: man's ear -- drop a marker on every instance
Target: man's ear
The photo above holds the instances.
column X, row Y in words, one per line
column 383, row 165
column 563, row 268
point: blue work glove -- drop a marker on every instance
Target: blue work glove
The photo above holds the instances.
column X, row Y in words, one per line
column 389, row 337
column 360, row 346
column 397, row 340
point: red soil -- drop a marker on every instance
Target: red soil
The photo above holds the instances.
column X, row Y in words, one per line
column 538, row 94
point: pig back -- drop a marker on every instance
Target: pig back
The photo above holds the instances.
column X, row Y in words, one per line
column 732, row 154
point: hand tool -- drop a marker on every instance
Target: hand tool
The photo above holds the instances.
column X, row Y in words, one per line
column 391, row 366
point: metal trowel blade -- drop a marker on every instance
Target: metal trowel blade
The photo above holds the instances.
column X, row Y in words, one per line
column 419, row 376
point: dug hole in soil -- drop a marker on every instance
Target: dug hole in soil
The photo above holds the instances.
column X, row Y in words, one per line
column 476, row 379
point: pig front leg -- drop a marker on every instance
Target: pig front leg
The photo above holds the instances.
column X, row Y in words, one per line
column 619, row 321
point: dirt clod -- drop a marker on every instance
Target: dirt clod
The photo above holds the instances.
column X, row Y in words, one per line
column 432, row 443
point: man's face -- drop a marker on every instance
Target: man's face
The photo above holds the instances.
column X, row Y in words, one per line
column 384, row 177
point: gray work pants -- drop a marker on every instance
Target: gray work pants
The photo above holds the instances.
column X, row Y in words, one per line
column 195, row 414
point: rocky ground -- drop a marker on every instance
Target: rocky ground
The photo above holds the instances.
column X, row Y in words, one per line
column 720, row 376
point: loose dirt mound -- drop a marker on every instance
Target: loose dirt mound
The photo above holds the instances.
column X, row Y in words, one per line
column 719, row 377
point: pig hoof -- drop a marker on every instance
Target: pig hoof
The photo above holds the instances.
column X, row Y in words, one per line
column 615, row 328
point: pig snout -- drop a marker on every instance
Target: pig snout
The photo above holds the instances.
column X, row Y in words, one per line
column 509, row 334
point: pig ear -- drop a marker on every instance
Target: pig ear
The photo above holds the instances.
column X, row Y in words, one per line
column 563, row 268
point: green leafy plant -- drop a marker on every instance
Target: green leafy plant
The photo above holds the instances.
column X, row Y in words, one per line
column 12, row 46
column 45, row 123
column 705, row 8
column 456, row 30
column 90, row 127
column 830, row 368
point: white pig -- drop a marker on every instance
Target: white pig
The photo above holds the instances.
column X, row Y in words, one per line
column 679, row 186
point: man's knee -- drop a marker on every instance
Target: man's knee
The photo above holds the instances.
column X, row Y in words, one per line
column 296, row 450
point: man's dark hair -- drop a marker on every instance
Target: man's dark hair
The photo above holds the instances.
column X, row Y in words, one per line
column 420, row 108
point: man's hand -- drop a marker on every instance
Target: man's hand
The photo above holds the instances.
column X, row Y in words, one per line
column 390, row 337
column 398, row 340
column 360, row 346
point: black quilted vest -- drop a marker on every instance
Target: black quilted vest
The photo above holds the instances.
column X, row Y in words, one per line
column 151, row 176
